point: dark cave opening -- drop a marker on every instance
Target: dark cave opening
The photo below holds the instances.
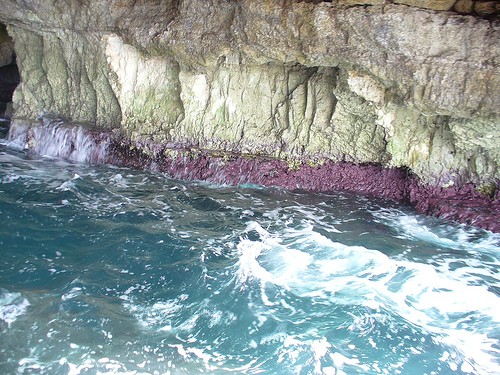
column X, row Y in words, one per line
column 9, row 78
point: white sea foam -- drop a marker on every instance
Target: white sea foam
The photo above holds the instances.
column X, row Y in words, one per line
column 73, row 293
column 119, row 181
column 68, row 185
column 158, row 315
column 12, row 305
column 423, row 228
column 311, row 265
column 249, row 267
column 53, row 138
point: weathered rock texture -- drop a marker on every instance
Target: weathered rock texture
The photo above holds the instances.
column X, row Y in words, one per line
column 306, row 82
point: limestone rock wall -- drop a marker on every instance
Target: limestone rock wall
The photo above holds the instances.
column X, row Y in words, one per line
column 365, row 82
column 64, row 73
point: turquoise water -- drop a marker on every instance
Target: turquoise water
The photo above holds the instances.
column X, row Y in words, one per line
column 112, row 270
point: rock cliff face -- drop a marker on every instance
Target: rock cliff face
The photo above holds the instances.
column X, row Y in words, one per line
column 307, row 82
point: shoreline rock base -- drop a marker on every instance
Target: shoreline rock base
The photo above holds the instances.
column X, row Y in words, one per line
column 466, row 204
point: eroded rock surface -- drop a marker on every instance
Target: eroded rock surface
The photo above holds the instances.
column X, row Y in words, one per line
column 401, row 85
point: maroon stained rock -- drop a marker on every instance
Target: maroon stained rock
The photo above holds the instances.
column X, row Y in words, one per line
column 462, row 204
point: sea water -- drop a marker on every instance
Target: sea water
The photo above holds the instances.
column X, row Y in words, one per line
column 113, row 270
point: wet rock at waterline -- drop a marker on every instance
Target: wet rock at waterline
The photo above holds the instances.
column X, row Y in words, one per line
column 83, row 144
column 403, row 86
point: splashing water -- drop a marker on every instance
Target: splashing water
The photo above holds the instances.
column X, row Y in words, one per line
column 54, row 138
column 111, row 270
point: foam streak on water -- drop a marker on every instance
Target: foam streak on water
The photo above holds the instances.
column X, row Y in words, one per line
column 110, row 270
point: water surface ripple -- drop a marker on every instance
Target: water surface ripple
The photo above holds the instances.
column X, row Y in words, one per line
column 111, row 270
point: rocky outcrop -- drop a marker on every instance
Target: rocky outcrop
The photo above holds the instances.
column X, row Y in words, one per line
column 310, row 83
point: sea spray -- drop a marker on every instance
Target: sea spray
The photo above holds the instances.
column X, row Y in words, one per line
column 55, row 138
